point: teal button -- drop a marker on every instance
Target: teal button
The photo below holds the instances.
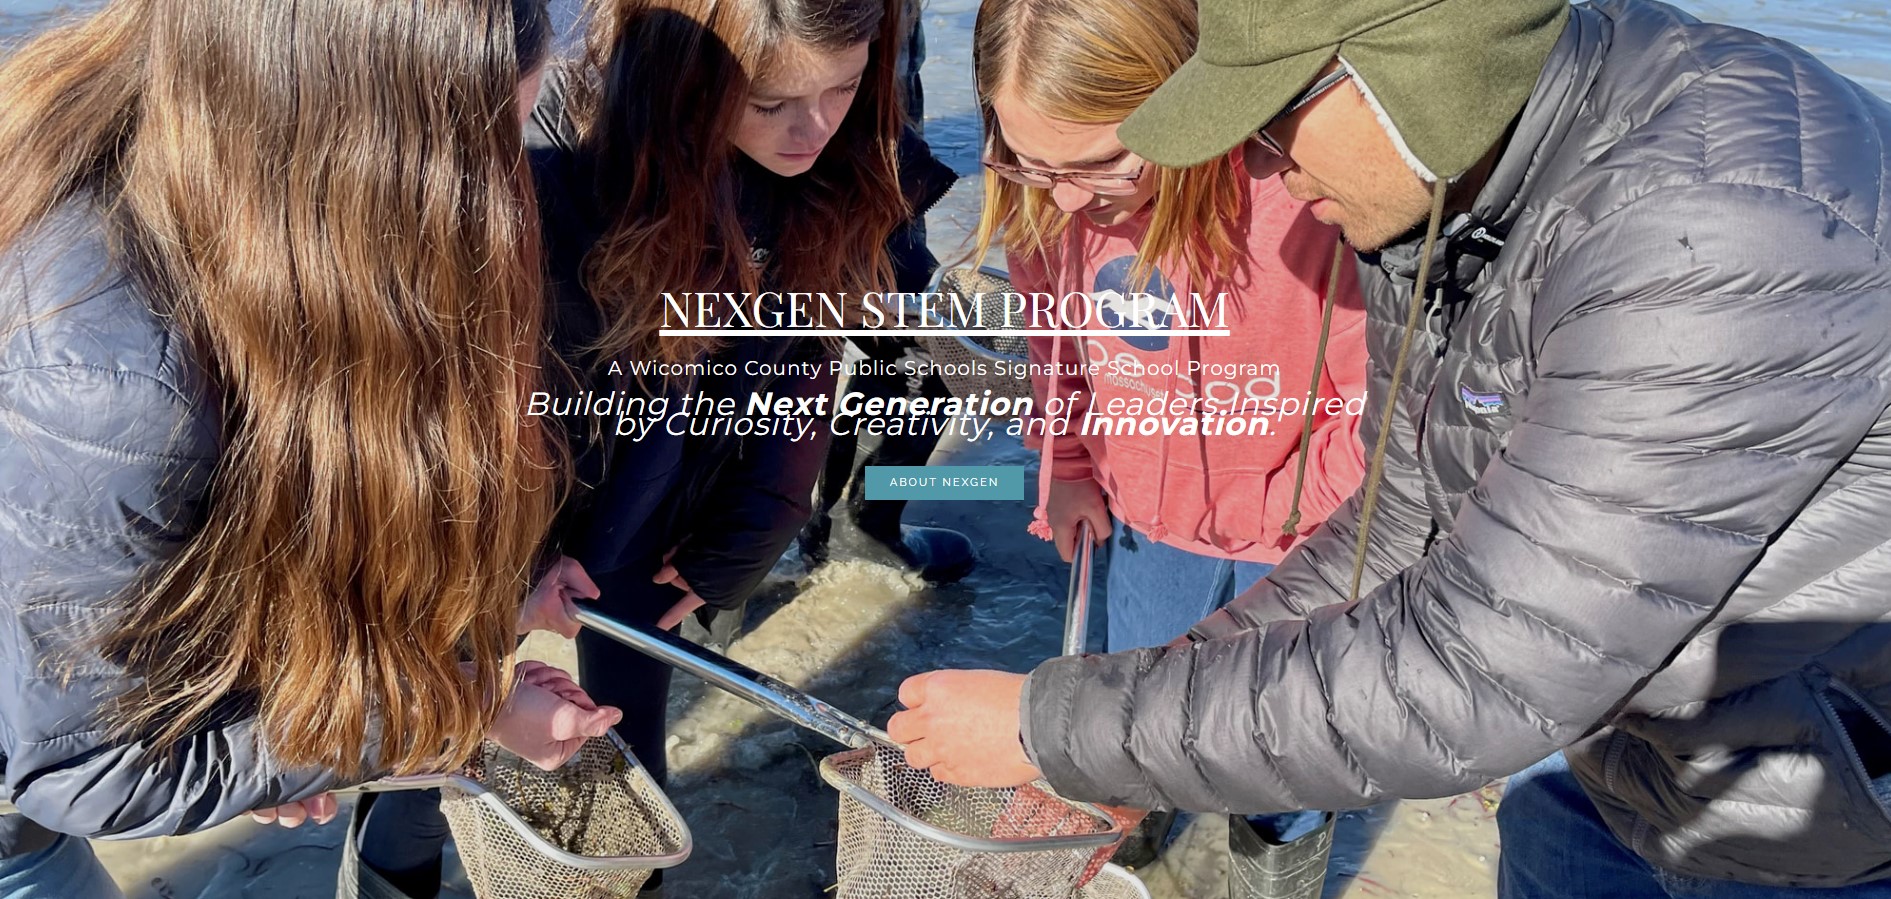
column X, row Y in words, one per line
column 951, row 482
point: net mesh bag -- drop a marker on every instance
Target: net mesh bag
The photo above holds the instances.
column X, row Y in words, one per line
column 601, row 805
column 879, row 857
column 1114, row 883
column 959, row 363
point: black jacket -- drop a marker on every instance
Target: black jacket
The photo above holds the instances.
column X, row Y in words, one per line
column 731, row 504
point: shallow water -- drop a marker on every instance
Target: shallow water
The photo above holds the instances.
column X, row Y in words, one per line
column 763, row 821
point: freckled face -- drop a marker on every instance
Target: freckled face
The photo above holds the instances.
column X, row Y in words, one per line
column 1041, row 142
column 794, row 111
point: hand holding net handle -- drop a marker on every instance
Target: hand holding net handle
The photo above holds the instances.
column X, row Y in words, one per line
column 770, row 694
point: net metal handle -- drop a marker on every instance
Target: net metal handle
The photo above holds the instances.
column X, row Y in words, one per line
column 770, row 694
column 1077, row 606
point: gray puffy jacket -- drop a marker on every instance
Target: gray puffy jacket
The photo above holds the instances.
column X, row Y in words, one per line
column 1637, row 501
column 106, row 448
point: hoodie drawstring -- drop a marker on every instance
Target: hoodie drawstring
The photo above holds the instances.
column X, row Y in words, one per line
column 1040, row 525
column 1377, row 469
column 1291, row 527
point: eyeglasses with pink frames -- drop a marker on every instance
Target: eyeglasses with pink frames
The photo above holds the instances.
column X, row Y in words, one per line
column 1110, row 184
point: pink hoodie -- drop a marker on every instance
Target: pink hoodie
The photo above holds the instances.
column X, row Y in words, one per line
column 1217, row 495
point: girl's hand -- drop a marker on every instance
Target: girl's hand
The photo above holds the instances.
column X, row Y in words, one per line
column 553, row 603
column 1071, row 502
column 319, row 808
column 690, row 601
column 549, row 717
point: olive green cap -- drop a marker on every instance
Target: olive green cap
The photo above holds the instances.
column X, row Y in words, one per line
column 1449, row 74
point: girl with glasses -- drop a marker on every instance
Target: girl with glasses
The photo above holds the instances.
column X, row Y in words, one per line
column 1189, row 520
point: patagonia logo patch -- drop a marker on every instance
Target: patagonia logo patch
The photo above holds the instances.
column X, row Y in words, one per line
column 1481, row 403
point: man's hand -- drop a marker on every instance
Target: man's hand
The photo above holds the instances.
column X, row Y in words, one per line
column 319, row 808
column 553, row 603
column 1071, row 502
column 963, row 727
column 549, row 717
column 690, row 601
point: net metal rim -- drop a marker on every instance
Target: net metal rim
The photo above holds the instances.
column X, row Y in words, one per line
column 686, row 841
column 1120, row 873
column 981, row 352
column 967, row 842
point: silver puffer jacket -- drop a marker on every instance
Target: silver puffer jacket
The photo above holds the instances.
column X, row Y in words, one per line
column 1637, row 502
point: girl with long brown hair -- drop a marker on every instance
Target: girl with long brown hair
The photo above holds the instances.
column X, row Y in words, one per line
column 725, row 146
column 270, row 307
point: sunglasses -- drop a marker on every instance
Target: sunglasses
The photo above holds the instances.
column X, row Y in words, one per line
column 1109, row 184
column 1264, row 155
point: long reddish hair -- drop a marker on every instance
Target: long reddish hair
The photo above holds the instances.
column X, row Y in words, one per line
column 327, row 200
column 663, row 86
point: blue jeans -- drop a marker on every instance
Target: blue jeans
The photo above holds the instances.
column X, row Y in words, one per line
column 67, row 869
column 1556, row 846
column 1155, row 593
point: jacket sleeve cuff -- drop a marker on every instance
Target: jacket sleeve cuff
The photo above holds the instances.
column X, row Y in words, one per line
column 1044, row 721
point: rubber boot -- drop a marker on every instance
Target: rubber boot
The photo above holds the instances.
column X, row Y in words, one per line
column 1259, row 868
column 940, row 555
column 1144, row 844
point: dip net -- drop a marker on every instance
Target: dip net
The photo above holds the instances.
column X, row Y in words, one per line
column 594, row 828
column 904, row 835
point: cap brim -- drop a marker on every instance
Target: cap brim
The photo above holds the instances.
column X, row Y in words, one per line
column 1204, row 110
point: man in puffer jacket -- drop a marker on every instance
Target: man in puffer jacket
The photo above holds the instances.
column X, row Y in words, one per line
column 1635, row 506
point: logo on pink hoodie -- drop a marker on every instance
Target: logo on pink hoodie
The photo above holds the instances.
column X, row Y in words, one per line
column 1150, row 307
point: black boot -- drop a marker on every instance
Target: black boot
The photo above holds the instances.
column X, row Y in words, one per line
column 1260, row 868
column 1144, row 844
column 940, row 555
column 359, row 880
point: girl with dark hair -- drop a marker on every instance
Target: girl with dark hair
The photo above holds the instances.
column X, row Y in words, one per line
column 270, row 305
column 698, row 145
column 755, row 145
column 746, row 146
